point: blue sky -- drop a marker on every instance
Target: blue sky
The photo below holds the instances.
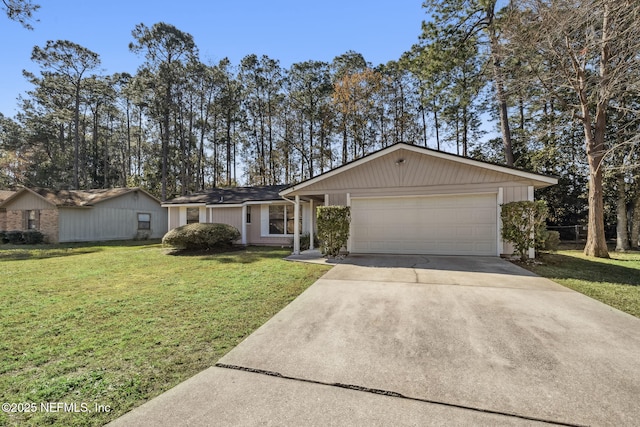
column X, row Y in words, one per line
column 287, row 30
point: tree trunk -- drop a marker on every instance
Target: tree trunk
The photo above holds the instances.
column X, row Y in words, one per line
column 622, row 231
column 635, row 227
column 501, row 98
column 596, row 241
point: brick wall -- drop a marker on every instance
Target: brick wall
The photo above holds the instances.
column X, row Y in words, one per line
column 48, row 223
column 3, row 220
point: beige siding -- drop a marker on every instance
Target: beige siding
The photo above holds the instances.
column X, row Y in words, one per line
column 416, row 170
column 29, row 201
column 231, row 216
column 515, row 194
column 338, row 199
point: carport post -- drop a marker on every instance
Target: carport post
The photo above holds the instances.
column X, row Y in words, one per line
column 244, row 225
column 296, row 226
column 312, row 216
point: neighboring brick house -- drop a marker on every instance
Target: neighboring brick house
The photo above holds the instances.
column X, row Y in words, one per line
column 84, row 215
column 4, row 195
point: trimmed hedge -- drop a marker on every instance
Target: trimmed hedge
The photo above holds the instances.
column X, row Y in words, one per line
column 523, row 224
column 333, row 228
column 17, row 237
column 201, row 236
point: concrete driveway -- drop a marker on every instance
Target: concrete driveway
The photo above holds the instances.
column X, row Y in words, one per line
column 421, row 340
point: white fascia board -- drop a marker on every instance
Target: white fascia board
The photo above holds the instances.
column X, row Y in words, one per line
column 228, row 205
column 182, row 205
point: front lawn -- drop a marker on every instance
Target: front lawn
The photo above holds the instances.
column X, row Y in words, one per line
column 614, row 281
column 92, row 331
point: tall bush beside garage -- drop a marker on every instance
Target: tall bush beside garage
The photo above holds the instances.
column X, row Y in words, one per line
column 333, row 228
column 523, row 225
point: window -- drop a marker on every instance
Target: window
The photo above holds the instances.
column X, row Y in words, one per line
column 144, row 221
column 281, row 219
column 248, row 214
column 193, row 215
column 31, row 220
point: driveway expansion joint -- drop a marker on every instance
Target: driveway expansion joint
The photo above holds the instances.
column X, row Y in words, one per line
column 392, row 394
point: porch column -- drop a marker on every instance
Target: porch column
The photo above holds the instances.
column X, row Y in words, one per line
column 499, row 203
column 312, row 216
column 349, row 240
column 244, row 225
column 296, row 226
column 169, row 218
column 326, row 200
column 532, row 251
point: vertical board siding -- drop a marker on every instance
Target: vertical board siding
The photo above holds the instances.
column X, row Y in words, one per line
column 113, row 219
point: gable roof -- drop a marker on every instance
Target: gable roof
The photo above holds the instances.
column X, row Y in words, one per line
column 496, row 172
column 75, row 198
column 5, row 194
column 230, row 195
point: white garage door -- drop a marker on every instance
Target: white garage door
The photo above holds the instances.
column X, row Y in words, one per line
column 446, row 225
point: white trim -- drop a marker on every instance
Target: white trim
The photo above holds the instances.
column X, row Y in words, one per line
column 420, row 150
column 264, row 220
column 182, row 205
column 182, row 216
column 413, row 196
column 235, row 205
column 499, row 202
column 326, row 200
column 169, row 219
column 296, row 225
column 312, row 216
column 243, row 235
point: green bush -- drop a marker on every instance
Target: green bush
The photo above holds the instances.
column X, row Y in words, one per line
column 305, row 241
column 551, row 241
column 201, row 236
column 14, row 237
column 333, row 228
column 3, row 237
column 32, row 237
column 523, row 225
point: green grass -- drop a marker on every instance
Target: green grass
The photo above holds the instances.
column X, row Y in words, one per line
column 614, row 281
column 117, row 324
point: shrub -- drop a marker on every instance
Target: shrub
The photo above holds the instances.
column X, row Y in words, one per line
column 201, row 236
column 3, row 237
column 305, row 241
column 14, row 237
column 333, row 228
column 523, row 225
column 32, row 237
column 551, row 240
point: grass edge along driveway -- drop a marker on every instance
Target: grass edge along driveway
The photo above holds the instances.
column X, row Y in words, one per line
column 614, row 281
column 91, row 331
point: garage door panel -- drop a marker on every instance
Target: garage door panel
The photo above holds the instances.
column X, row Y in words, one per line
column 463, row 225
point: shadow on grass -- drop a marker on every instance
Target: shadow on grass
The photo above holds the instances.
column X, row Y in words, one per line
column 236, row 254
column 19, row 254
column 593, row 270
column 44, row 251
